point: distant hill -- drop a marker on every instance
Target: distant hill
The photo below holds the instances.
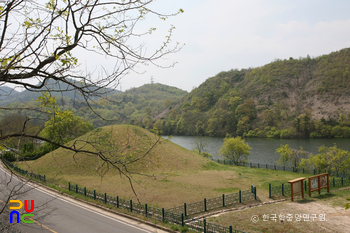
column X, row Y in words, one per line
column 8, row 95
column 286, row 98
column 136, row 106
column 5, row 92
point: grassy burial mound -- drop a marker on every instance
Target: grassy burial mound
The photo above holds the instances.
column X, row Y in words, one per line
column 173, row 174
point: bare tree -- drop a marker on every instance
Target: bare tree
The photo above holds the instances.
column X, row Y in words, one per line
column 41, row 45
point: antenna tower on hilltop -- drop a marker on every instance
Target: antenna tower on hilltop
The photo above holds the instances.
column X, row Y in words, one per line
column 152, row 80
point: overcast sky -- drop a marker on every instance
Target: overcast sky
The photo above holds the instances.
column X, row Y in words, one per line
column 220, row 35
column 227, row 34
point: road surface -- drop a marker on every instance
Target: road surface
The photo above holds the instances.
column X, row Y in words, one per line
column 57, row 213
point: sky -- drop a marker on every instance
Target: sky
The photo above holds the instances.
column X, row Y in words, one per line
column 232, row 34
column 220, row 35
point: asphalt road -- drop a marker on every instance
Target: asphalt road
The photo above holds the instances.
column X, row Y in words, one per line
column 56, row 213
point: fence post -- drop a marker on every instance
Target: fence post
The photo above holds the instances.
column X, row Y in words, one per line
column 68, row 186
column 255, row 192
column 163, row 215
column 303, row 170
column 258, row 165
column 205, row 223
column 85, row 191
column 94, row 194
column 223, row 200
column 342, row 181
column 185, row 209
column 314, row 172
column 282, row 189
column 269, row 190
column 305, row 185
column 240, row 196
column 230, row 228
column 224, row 161
column 333, row 182
column 284, row 168
column 44, row 178
column 250, row 164
column 205, row 204
column 275, row 166
column 146, row 209
column 117, row 201
column 130, row 205
column 76, row 188
column 105, row 198
column 182, row 219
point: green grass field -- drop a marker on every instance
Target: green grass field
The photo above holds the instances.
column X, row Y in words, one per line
column 173, row 174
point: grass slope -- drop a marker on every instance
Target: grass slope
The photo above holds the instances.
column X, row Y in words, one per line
column 176, row 175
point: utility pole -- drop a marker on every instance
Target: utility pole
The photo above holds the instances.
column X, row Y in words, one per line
column 152, row 80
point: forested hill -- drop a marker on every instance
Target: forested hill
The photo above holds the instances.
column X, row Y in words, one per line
column 284, row 99
column 139, row 106
column 136, row 106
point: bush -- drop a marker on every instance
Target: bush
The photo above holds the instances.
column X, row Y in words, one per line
column 277, row 134
column 206, row 155
column 250, row 134
column 261, row 134
column 288, row 133
column 315, row 135
column 9, row 155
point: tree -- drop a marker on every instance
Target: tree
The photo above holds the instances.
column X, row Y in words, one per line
column 41, row 42
column 235, row 150
column 62, row 126
column 199, row 145
column 42, row 45
column 247, row 109
column 268, row 117
column 290, row 155
column 329, row 159
column 14, row 123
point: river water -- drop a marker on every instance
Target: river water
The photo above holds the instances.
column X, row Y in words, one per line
column 263, row 149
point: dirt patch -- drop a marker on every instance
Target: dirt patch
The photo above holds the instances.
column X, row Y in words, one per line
column 323, row 213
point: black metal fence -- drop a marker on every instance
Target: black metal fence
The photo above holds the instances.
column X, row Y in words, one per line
column 156, row 213
column 284, row 188
column 177, row 215
column 25, row 172
column 285, row 168
column 215, row 203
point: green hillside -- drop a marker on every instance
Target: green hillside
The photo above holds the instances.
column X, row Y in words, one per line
column 135, row 106
column 305, row 97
